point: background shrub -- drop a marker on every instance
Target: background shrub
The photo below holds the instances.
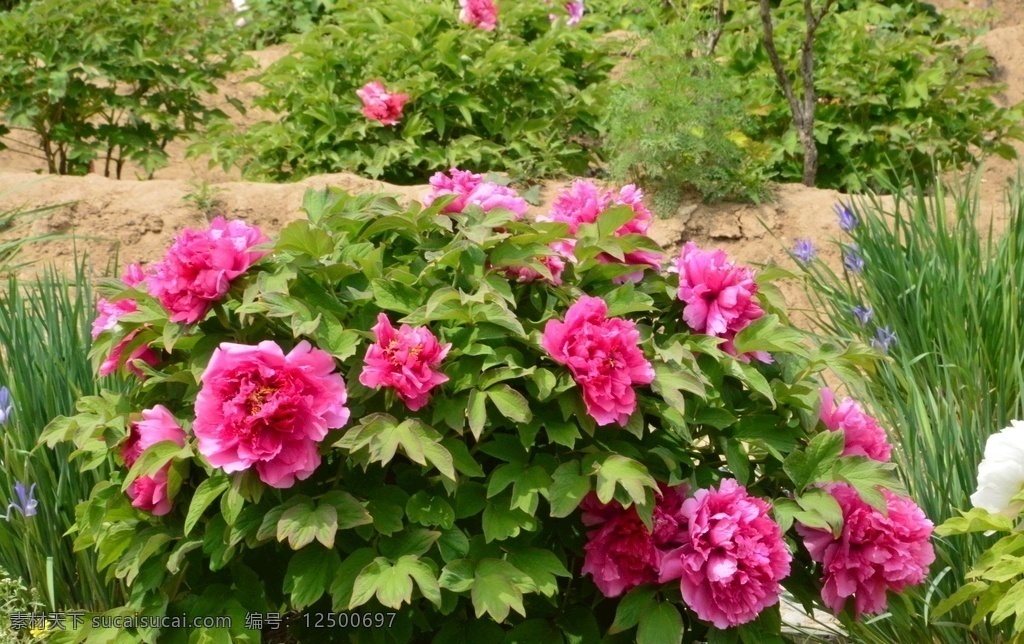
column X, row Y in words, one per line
column 524, row 98
column 112, row 81
column 674, row 123
column 899, row 88
column 269, row 22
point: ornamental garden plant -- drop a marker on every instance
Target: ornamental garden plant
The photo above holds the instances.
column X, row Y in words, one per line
column 474, row 426
column 402, row 89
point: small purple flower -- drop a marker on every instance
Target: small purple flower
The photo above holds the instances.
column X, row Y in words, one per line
column 884, row 336
column 852, row 258
column 862, row 313
column 26, row 503
column 6, row 406
column 804, row 250
column 847, row 220
column 575, row 10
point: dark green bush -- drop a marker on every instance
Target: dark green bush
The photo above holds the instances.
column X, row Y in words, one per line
column 112, row 80
column 269, row 21
column 524, row 98
column 899, row 88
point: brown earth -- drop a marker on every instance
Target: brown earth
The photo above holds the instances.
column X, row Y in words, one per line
column 136, row 220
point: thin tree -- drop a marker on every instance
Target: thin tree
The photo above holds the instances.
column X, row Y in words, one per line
column 803, row 108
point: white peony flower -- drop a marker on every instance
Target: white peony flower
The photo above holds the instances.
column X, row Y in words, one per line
column 1001, row 472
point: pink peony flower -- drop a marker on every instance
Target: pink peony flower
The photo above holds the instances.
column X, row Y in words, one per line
column 719, row 296
column 142, row 352
column 482, row 14
column 620, row 553
column 109, row 314
column 575, row 10
column 405, row 359
column 732, row 556
column 199, row 266
column 875, row 552
column 472, row 189
column 863, row 435
column 149, row 492
column 603, row 356
column 583, row 202
column 258, row 406
column 524, row 274
column 380, row 105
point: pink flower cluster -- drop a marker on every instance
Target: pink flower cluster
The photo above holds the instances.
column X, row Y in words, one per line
column 258, row 406
column 726, row 552
column 472, row 189
column 149, row 492
column 109, row 314
column 876, row 551
column 482, row 14
column 603, row 356
column 863, row 435
column 406, row 360
column 583, row 202
column 719, row 296
column 380, row 105
column 199, row 266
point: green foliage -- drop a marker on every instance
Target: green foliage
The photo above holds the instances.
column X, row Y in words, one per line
column 15, row 598
column 675, row 124
column 523, row 98
column 953, row 376
column 206, row 199
column 459, row 519
column 899, row 88
column 112, row 81
column 44, row 340
column 268, row 22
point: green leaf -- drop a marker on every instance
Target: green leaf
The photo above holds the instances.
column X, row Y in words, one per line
column 350, row 512
column 811, row 464
column 300, row 237
column 344, row 579
column 477, row 412
column 501, row 522
column 510, row 403
column 768, row 334
column 976, row 520
column 391, row 295
column 413, row 541
column 630, row 475
column 301, row 524
column 495, row 589
column 541, row 566
column 429, row 510
column 567, row 489
column 424, row 577
column 310, row 572
column 206, row 493
column 965, row 593
column 866, row 475
column 458, row 576
column 636, row 603
column 660, row 624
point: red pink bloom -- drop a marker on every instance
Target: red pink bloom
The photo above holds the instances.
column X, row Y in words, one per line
column 405, row 359
column 876, row 552
column 109, row 314
column 620, row 553
column 482, row 14
column 472, row 189
column 603, row 356
column 198, row 268
column 259, row 407
column 863, row 435
column 380, row 105
column 149, row 492
column 719, row 295
column 583, row 202
column 732, row 556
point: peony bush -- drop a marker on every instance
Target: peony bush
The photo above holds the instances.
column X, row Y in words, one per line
column 478, row 426
column 400, row 90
